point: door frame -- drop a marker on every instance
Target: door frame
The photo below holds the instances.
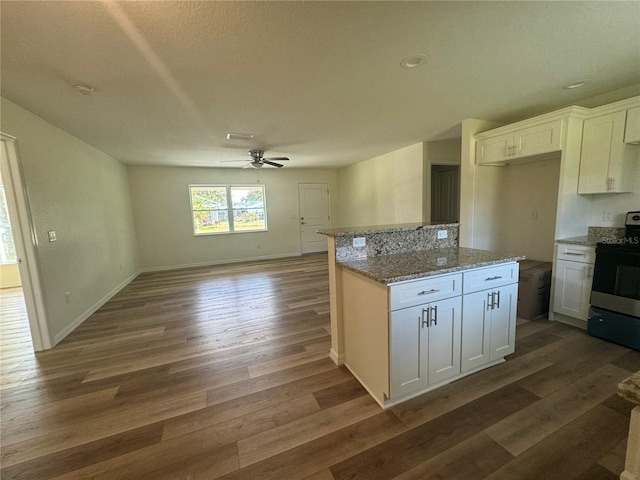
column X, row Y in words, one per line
column 26, row 243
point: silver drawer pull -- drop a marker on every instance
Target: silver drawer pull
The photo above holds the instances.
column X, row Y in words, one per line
column 492, row 278
column 427, row 292
column 573, row 253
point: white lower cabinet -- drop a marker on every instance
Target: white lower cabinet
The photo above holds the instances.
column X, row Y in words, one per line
column 573, row 288
column 573, row 277
column 488, row 325
column 424, row 345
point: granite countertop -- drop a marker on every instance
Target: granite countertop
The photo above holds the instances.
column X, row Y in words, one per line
column 594, row 235
column 629, row 388
column 348, row 231
column 399, row 267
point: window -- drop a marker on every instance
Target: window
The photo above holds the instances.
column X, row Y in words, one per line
column 212, row 211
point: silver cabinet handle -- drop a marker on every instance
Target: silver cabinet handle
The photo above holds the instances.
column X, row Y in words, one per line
column 574, row 254
column 488, row 279
column 434, row 320
column 489, row 300
column 589, row 272
column 427, row 292
column 425, row 322
column 498, row 302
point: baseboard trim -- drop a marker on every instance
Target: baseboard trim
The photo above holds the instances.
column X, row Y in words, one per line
column 58, row 337
column 11, row 285
column 337, row 359
column 219, row 262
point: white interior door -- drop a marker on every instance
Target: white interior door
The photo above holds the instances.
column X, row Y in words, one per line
column 314, row 215
column 445, row 194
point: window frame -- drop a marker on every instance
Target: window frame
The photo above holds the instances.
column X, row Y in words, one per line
column 229, row 208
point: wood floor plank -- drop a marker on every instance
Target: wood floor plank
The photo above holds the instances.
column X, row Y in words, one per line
column 570, row 451
column 472, row 459
column 277, row 440
column 532, row 424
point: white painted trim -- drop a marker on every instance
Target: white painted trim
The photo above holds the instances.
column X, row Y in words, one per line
column 219, row 262
column 11, row 285
column 337, row 359
column 26, row 245
column 626, row 475
column 58, row 337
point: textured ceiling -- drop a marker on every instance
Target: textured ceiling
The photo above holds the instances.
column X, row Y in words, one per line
column 319, row 82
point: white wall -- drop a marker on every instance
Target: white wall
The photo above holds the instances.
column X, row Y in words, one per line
column 383, row 190
column 82, row 194
column 529, row 188
column 163, row 214
column 9, row 276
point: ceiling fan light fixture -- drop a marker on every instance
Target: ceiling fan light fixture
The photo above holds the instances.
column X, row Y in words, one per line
column 239, row 136
column 413, row 61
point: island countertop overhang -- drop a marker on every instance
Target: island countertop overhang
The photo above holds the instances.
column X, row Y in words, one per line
column 400, row 267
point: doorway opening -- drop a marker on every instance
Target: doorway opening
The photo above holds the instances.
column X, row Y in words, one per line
column 445, row 193
column 18, row 216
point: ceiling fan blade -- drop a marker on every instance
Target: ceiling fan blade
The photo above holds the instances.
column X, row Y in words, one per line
column 280, row 159
column 233, row 160
column 248, row 165
column 272, row 163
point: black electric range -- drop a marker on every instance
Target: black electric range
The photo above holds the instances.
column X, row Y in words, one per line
column 615, row 295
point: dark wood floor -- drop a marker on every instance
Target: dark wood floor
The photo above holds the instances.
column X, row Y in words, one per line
column 223, row 372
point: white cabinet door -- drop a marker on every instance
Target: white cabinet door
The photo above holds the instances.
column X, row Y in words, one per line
column 632, row 128
column 408, row 344
column 520, row 143
column 503, row 321
column 572, row 288
column 543, row 138
column 425, row 345
column 445, row 321
column 476, row 329
column 494, row 149
column 488, row 325
column 602, row 158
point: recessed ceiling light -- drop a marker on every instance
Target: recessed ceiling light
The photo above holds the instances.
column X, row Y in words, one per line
column 83, row 89
column 413, row 61
column 239, row 136
column 578, row 84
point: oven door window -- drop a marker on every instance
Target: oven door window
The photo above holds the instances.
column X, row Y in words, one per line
column 617, row 272
column 627, row 281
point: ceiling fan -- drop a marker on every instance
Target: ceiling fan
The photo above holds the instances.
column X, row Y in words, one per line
column 258, row 160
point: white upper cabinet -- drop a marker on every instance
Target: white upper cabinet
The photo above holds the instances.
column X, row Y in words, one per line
column 519, row 143
column 632, row 128
column 607, row 164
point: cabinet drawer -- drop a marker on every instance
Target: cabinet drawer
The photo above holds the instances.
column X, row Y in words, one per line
column 576, row 253
column 489, row 277
column 409, row 294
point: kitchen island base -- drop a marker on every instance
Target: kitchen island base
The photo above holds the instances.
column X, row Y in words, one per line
column 407, row 338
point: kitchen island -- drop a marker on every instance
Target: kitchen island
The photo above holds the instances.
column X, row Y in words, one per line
column 412, row 319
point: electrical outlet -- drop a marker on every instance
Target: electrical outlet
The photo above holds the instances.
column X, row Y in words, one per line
column 67, row 297
column 442, row 234
column 359, row 242
column 534, row 215
column 607, row 216
column 52, row 235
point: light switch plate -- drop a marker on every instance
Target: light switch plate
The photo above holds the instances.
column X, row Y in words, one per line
column 607, row 216
column 442, row 234
column 52, row 235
